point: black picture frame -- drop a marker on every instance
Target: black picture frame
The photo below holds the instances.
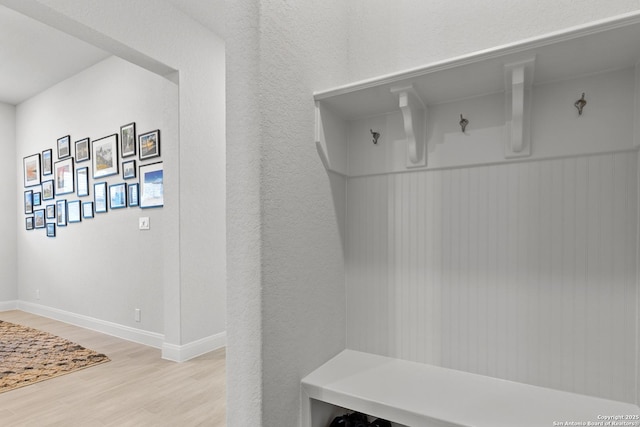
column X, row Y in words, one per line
column 37, row 198
column 149, row 145
column 47, row 162
column 100, row 197
column 28, row 223
column 82, row 182
column 51, row 211
column 133, row 194
column 83, row 150
column 31, row 166
column 104, row 156
column 48, row 191
column 28, row 202
column 64, row 147
column 129, row 169
column 151, row 185
column 51, row 229
column 118, row 196
column 38, row 218
column 128, row 140
column 87, row 210
column 73, row 211
column 61, row 213
column 64, row 176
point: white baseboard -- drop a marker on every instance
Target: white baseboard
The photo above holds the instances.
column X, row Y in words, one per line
column 182, row 353
column 139, row 336
column 8, row 305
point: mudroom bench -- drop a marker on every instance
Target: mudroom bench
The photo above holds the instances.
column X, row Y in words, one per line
column 420, row 395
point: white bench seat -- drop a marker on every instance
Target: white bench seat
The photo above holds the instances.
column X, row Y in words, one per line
column 421, row 395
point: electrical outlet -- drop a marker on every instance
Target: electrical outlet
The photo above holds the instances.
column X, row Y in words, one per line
column 136, row 315
column 143, row 223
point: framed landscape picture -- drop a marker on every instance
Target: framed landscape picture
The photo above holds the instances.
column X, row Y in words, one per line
column 152, row 185
column 129, row 169
column 38, row 218
column 73, row 211
column 133, row 191
column 28, row 223
column 82, row 150
column 51, row 230
column 104, row 156
column 149, row 144
column 64, row 147
column 31, row 170
column 61, row 213
column 36, row 198
column 63, row 179
column 82, row 182
column 51, row 211
column 128, row 140
column 47, row 190
column 47, row 162
column 28, row 202
column 118, row 196
column 87, row 210
column 100, row 197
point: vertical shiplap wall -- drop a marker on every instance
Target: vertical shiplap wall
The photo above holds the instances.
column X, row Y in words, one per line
column 523, row 271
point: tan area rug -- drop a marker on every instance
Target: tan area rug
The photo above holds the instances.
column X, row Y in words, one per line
column 28, row 356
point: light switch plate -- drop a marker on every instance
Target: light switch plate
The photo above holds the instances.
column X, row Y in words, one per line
column 143, row 223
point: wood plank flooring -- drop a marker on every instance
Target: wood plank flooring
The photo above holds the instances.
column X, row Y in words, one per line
column 137, row 388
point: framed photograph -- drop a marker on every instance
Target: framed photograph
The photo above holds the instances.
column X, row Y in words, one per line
column 63, row 182
column 28, row 202
column 133, row 190
column 104, row 156
column 51, row 230
column 36, row 198
column 82, row 150
column 82, row 180
column 87, row 210
column 31, row 170
column 73, row 211
column 100, row 197
column 152, row 185
column 38, row 218
column 118, row 195
column 47, row 162
column 61, row 212
column 149, row 144
column 28, row 223
column 128, row 140
column 129, row 169
column 47, row 190
column 64, row 147
column 51, row 211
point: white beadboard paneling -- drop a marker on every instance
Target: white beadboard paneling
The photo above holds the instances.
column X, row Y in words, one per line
column 524, row 271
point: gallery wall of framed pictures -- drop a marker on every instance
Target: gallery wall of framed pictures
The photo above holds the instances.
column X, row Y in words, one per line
column 81, row 180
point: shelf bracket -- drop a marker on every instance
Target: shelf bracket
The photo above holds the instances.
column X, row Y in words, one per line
column 414, row 115
column 518, row 81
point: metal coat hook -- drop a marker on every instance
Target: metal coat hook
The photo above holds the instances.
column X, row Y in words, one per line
column 375, row 136
column 580, row 103
column 463, row 123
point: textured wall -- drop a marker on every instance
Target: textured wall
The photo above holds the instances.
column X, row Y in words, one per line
column 11, row 177
column 104, row 267
column 385, row 38
column 298, row 270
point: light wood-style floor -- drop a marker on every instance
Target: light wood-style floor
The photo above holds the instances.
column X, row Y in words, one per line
column 136, row 388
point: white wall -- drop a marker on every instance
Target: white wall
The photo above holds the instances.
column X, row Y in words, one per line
column 103, row 267
column 8, row 218
column 285, row 214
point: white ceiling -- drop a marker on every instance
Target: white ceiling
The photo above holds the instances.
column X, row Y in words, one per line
column 34, row 56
